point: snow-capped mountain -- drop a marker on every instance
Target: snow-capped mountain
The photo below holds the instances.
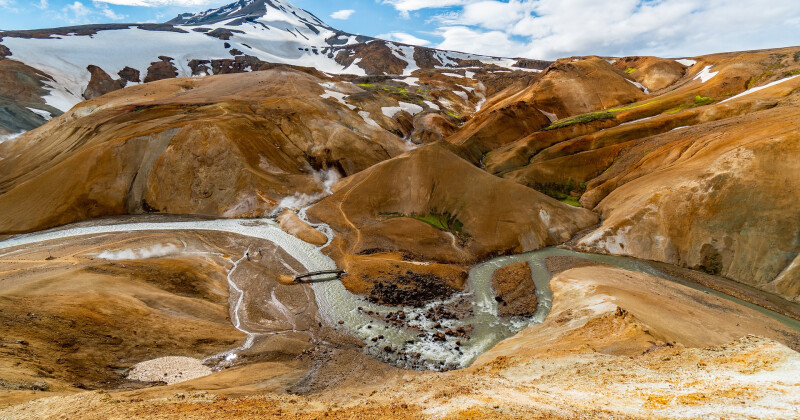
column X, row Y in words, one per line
column 75, row 63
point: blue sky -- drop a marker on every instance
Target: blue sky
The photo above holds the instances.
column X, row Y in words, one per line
column 545, row 29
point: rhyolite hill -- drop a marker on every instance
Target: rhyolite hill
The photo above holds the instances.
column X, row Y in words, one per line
column 423, row 163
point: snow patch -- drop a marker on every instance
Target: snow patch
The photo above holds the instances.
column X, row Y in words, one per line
column 338, row 96
column 368, row 119
column 753, row 90
column 706, row 74
column 432, row 105
column 686, row 62
column 153, row 251
column 462, row 95
column 639, row 85
column 42, row 113
column 391, row 111
column 9, row 137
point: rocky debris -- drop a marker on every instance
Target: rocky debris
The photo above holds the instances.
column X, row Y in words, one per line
column 239, row 64
column 200, row 67
column 224, row 33
column 101, row 83
column 130, row 74
column 292, row 224
column 4, row 51
column 516, row 292
column 409, row 289
column 526, row 63
column 234, row 52
column 375, row 58
column 160, row 70
column 171, row 370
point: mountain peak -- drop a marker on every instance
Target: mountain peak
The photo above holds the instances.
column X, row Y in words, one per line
column 240, row 11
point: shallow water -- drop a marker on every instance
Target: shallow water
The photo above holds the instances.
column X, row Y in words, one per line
column 340, row 308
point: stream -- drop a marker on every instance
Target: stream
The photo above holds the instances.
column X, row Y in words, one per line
column 413, row 345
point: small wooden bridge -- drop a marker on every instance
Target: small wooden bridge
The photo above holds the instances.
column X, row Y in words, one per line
column 309, row 277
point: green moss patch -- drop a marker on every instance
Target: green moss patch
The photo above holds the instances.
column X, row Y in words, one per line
column 442, row 221
column 630, row 107
column 581, row 119
column 702, row 100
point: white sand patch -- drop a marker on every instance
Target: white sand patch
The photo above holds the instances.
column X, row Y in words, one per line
column 153, row 251
column 706, row 74
column 686, row 62
column 391, row 111
column 172, row 370
column 753, row 90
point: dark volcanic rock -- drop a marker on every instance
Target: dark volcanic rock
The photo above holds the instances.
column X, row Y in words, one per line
column 101, row 83
column 516, row 292
column 4, row 52
column 411, row 289
column 200, row 67
column 130, row 74
column 223, row 33
column 159, row 70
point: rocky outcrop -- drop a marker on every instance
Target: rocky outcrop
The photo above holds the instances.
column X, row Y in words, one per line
column 516, row 292
column 130, row 74
column 160, row 70
column 374, row 57
column 101, row 83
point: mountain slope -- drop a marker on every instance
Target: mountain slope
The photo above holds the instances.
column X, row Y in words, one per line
column 87, row 61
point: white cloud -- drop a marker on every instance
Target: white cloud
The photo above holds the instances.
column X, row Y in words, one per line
column 557, row 28
column 343, row 14
column 406, row 6
column 108, row 12
column 403, row 38
column 76, row 13
column 42, row 4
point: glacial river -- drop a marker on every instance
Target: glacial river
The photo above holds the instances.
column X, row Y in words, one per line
column 340, row 308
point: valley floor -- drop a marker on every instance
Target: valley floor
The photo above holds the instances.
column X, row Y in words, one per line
column 617, row 344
